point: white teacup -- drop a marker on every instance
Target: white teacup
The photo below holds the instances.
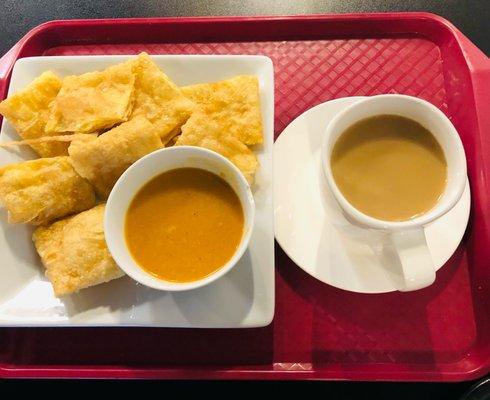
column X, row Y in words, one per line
column 406, row 238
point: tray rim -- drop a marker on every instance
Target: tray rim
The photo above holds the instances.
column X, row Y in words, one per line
column 479, row 69
column 9, row 58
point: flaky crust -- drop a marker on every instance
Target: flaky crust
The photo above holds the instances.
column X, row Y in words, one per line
column 42, row 190
column 75, row 253
column 104, row 159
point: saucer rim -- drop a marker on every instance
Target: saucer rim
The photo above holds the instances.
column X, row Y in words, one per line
column 323, row 213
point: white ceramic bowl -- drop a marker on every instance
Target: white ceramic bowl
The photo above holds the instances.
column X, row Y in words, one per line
column 142, row 171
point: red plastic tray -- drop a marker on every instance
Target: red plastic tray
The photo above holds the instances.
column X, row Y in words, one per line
column 440, row 333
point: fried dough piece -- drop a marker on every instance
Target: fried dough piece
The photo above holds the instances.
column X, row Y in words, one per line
column 39, row 191
column 93, row 101
column 202, row 132
column 234, row 104
column 75, row 253
column 158, row 99
column 46, row 139
column 28, row 111
column 172, row 141
column 104, row 159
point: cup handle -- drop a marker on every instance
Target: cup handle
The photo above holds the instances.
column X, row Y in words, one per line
column 415, row 259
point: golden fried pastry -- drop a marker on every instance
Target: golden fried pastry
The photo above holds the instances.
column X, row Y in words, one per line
column 48, row 139
column 103, row 159
column 93, row 101
column 75, row 253
column 203, row 132
column 39, row 191
column 234, row 104
column 28, row 111
column 158, row 99
column 172, row 141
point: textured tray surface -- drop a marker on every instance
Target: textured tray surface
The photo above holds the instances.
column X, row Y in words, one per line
column 311, row 72
column 314, row 324
column 439, row 333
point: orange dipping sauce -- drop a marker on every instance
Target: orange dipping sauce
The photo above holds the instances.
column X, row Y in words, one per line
column 184, row 225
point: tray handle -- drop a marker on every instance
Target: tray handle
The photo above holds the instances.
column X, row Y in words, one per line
column 479, row 65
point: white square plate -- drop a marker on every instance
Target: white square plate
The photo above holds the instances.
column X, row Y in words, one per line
column 244, row 298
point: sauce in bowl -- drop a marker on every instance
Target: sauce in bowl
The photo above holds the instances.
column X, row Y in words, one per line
column 184, row 225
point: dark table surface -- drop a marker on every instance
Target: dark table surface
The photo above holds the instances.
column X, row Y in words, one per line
column 18, row 16
column 470, row 16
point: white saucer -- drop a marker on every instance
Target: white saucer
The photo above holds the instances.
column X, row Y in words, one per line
column 311, row 229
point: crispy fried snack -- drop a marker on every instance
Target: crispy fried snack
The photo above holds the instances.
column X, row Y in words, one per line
column 75, row 253
column 234, row 104
column 28, row 111
column 93, row 101
column 172, row 141
column 158, row 99
column 39, row 191
column 203, row 132
column 103, row 159
column 47, row 139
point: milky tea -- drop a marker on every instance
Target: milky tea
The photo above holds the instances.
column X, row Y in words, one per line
column 389, row 167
